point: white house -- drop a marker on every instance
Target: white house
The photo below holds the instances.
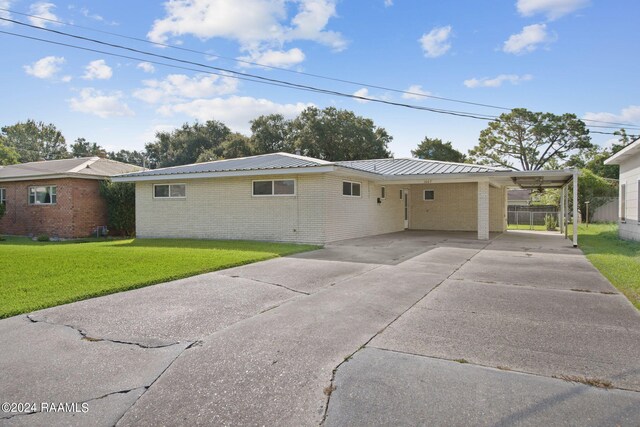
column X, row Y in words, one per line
column 291, row 198
column 629, row 161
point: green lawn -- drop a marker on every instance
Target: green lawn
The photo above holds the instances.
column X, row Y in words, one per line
column 618, row 260
column 35, row 275
column 527, row 227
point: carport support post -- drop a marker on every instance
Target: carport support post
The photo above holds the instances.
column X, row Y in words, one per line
column 575, row 208
column 562, row 210
column 483, row 210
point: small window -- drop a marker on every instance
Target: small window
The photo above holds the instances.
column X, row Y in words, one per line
column 3, row 196
column 350, row 188
column 623, row 203
column 276, row 187
column 46, row 195
column 429, row 195
column 169, row 191
column 383, row 193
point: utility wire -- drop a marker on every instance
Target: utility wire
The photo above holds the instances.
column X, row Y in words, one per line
column 351, row 82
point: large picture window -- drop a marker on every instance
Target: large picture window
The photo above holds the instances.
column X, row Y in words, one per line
column 274, row 187
column 169, row 191
column 45, row 195
column 350, row 188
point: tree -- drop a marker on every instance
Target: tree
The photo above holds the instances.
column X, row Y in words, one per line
column 530, row 139
column 236, row 145
column 270, row 134
column 593, row 159
column 335, row 135
column 35, row 141
column 121, row 206
column 594, row 189
column 137, row 158
column 184, row 145
column 83, row 148
column 435, row 149
column 8, row 155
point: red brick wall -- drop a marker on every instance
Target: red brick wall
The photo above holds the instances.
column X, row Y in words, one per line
column 78, row 210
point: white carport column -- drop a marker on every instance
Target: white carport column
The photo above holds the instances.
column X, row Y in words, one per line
column 575, row 208
column 483, row 210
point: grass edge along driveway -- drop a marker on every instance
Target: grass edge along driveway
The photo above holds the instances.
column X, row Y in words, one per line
column 37, row 275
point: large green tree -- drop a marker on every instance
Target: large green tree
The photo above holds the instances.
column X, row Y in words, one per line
column 435, row 149
column 271, row 134
column 83, row 148
column 134, row 157
column 35, row 141
column 8, row 155
column 526, row 140
column 184, row 145
column 593, row 159
column 334, row 135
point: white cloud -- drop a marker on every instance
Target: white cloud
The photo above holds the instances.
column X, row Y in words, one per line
column 415, row 92
column 92, row 101
column 388, row 3
column 274, row 58
column 66, row 78
column 5, row 4
column 178, row 87
column 147, row 67
column 45, row 68
column 553, row 9
column 528, row 39
column 436, row 42
column 97, row 69
column 514, row 79
column 630, row 114
column 255, row 24
column 234, row 111
column 364, row 92
column 43, row 10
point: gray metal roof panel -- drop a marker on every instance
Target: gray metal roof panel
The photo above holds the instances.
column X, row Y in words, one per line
column 401, row 167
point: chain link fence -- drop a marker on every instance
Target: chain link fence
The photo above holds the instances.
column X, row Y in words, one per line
column 531, row 217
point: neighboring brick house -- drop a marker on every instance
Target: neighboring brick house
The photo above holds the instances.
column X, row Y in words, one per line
column 286, row 197
column 59, row 198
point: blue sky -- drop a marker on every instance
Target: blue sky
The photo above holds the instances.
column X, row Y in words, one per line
column 577, row 56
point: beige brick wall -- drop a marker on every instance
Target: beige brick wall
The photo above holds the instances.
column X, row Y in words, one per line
column 350, row 217
column 630, row 176
column 225, row 209
column 455, row 207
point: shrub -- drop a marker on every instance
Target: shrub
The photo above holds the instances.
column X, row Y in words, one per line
column 550, row 222
column 121, row 206
column 43, row 238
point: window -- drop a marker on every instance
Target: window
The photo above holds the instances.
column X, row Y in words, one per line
column 275, row 187
column 623, row 203
column 46, row 195
column 3, row 196
column 169, row 191
column 383, row 193
column 350, row 188
column 429, row 195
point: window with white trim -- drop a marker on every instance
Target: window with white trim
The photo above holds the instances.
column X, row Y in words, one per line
column 3, row 196
column 350, row 188
column 274, row 187
column 43, row 195
column 383, row 193
column 623, row 203
column 429, row 195
column 169, row 191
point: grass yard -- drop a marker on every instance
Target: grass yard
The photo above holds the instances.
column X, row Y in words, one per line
column 36, row 275
column 527, row 227
column 618, row 260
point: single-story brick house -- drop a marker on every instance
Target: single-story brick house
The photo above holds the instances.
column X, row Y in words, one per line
column 292, row 198
column 629, row 161
column 60, row 198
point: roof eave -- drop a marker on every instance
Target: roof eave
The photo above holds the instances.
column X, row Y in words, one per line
column 53, row 176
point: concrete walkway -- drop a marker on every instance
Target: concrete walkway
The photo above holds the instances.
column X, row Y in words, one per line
column 366, row 331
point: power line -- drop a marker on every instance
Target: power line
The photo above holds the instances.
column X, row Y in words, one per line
column 351, row 82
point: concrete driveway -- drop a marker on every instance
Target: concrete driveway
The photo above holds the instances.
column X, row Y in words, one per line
column 403, row 328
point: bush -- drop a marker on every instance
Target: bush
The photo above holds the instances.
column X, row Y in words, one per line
column 550, row 222
column 43, row 238
column 121, row 206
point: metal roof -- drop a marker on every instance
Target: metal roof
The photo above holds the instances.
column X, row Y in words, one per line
column 403, row 167
column 262, row 162
column 82, row 166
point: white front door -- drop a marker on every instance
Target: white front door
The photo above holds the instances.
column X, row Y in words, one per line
column 405, row 201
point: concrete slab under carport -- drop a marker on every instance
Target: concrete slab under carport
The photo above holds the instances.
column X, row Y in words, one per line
column 381, row 388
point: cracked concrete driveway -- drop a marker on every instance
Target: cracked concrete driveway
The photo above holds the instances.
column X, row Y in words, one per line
column 366, row 331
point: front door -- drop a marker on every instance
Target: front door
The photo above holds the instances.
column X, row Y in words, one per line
column 405, row 201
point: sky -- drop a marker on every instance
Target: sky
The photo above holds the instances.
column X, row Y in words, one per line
column 559, row 56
